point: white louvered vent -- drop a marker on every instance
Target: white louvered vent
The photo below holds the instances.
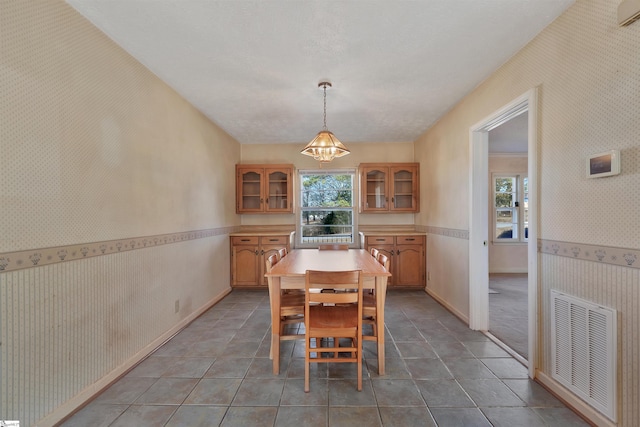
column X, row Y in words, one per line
column 584, row 350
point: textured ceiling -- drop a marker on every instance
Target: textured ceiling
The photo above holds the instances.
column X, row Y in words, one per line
column 253, row 67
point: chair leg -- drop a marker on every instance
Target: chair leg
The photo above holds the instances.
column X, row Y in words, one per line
column 359, row 347
column 307, row 355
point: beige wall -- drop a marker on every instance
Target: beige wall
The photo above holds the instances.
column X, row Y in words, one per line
column 96, row 149
column 97, row 155
column 360, row 153
column 587, row 71
column 505, row 257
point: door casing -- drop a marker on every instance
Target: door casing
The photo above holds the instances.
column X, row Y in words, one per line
column 478, row 217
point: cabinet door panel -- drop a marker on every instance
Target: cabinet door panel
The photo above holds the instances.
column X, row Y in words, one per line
column 409, row 265
column 404, row 188
column 249, row 191
column 375, row 189
column 278, row 190
column 245, row 266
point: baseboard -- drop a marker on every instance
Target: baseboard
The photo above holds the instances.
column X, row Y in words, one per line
column 77, row 402
column 589, row 414
column 509, row 271
column 448, row 306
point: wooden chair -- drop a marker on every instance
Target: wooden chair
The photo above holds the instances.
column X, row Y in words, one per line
column 374, row 252
column 369, row 308
column 333, row 315
column 291, row 307
column 333, row 247
column 282, row 252
column 384, row 260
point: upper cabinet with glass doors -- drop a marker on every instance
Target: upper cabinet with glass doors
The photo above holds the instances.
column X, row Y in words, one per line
column 264, row 188
column 389, row 187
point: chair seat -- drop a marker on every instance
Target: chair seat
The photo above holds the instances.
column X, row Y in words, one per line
column 291, row 304
column 369, row 305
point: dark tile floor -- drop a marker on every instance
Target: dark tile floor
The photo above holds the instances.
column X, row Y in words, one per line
column 217, row 372
column 508, row 308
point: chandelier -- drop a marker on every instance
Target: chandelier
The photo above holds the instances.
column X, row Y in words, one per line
column 325, row 146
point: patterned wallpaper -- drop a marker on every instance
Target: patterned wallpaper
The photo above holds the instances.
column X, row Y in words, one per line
column 103, row 165
column 587, row 70
column 94, row 147
column 587, row 73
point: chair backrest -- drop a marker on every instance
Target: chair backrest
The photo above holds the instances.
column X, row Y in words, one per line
column 270, row 262
column 384, row 260
column 282, row 252
column 334, row 247
column 343, row 280
column 374, row 252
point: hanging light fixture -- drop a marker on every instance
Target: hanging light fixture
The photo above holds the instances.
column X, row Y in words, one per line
column 325, row 146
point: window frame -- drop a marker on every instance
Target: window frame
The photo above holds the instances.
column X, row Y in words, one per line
column 519, row 210
column 299, row 243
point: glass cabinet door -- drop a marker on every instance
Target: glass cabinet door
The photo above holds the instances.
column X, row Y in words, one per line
column 250, row 190
column 389, row 187
column 278, row 191
column 375, row 189
column 264, row 188
column 403, row 195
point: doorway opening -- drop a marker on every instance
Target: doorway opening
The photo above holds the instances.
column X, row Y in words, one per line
column 480, row 233
column 508, row 234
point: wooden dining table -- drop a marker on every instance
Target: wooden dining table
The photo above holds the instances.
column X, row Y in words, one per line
column 289, row 273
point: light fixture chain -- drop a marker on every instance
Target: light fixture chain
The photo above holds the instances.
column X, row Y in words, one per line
column 325, row 106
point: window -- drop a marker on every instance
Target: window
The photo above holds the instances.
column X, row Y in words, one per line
column 511, row 208
column 326, row 207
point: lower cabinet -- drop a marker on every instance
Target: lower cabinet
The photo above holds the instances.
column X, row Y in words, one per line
column 407, row 258
column 248, row 256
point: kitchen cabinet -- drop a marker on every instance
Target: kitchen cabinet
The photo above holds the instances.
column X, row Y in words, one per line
column 248, row 256
column 264, row 189
column 407, row 255
column 389, row 187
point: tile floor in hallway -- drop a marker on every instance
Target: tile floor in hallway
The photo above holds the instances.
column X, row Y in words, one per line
column 217, row 371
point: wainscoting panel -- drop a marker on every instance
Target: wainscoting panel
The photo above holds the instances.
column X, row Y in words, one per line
column 66, row 325
column 608, row 285
column 448, row 272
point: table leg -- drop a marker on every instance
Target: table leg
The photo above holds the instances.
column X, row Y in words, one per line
column 274, row 299
column 381, row 294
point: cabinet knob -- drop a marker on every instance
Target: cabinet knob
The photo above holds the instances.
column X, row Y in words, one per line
column 256, row 252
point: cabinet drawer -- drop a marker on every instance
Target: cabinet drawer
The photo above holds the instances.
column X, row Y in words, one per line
column 409, row 240
column 274, row 240
column 244, row 240
column 379, row 240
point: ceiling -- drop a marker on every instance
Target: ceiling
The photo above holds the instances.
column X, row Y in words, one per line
column 511, row 137
column 253, row 67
